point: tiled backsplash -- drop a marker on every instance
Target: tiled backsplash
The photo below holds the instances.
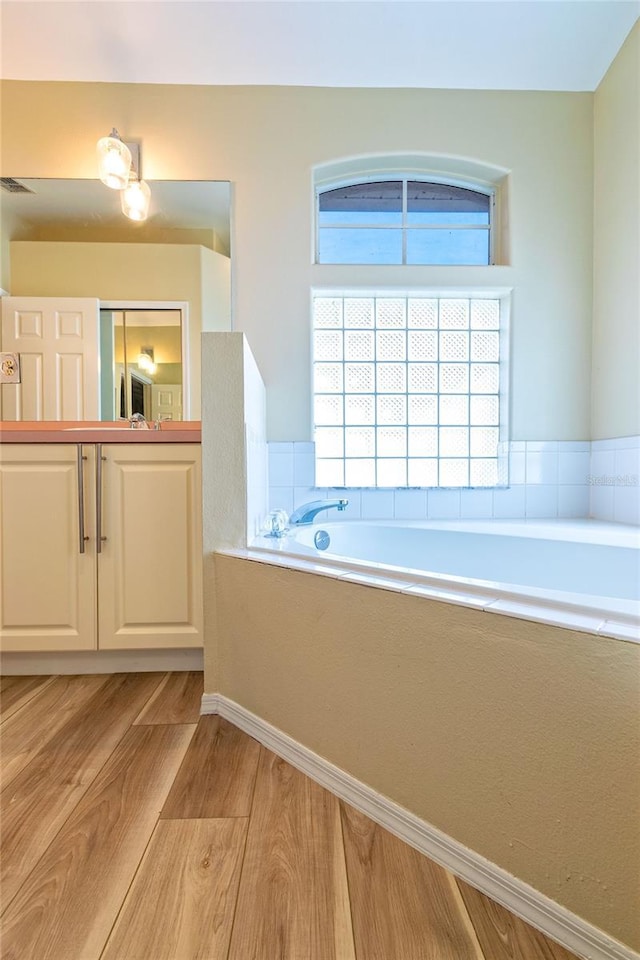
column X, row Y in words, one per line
column 614, row 480
column 547, row 479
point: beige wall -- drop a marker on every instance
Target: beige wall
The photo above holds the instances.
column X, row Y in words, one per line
column 266, row 141
column 165, row 342
column 142, row 233
column 616, row 318
column 9, row 223
column 215, row 271
column 519, row 740
column 118, row 271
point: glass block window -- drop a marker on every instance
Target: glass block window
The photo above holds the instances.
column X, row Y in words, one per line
column 404, row 221
column 406, row 391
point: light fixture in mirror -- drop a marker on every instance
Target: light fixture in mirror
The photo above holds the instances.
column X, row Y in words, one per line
column 114, row 161
column 145, row 360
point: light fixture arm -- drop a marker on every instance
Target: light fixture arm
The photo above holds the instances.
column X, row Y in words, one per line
column 134, row 150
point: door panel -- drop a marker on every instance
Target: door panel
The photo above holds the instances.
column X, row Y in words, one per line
column 150, row 566
column 48, row 587
column 166, row 401
column 57, row 339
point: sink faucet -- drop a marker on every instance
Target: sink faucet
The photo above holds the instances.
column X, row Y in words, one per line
column 308, row 511
column 138, row 422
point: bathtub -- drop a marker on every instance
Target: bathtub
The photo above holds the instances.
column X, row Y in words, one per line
column 581, row 574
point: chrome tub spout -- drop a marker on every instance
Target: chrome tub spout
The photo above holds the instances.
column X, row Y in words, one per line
column 307, row 512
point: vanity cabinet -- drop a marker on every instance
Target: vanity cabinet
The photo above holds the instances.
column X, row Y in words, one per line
column 101, row 546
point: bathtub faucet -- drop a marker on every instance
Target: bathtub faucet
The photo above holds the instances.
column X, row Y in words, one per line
column 307, row 511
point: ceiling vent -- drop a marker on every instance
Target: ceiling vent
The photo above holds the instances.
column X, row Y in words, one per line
column 10, row 185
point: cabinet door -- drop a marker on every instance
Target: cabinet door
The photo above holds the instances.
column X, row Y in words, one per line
column 150, row 564
column 57, row 339
column 48, row 587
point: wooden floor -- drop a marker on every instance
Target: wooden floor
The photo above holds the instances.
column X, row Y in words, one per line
column 133, row 829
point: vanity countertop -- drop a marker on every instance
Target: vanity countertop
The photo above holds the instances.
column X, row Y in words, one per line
column 95, row 431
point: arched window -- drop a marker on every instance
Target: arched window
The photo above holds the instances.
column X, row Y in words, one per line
column 404, row 221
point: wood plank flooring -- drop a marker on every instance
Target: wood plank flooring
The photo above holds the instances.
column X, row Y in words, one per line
column 293, row 900
column 16, row 691
column 133, row 829
column 38, row 801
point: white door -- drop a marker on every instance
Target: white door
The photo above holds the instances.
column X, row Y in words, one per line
column 57, row 339
column 166, row 401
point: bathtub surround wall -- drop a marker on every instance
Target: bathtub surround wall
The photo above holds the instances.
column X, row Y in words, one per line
column 548, row 479
column 517, row 739
column 233, row 441
column 233, row 449
column 255, row 443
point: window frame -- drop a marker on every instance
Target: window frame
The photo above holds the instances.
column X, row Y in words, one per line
column 393, row 176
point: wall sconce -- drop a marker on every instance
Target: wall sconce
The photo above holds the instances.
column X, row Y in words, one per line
column 119, row 169
column 146, row 360
column 114, row 161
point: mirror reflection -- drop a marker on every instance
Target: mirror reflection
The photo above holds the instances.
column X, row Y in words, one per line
column 68, row 238
column 146, row 365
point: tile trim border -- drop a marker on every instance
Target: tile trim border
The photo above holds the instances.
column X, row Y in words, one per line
column 555, row 921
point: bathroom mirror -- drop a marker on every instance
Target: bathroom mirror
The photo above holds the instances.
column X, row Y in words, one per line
column 181, row 253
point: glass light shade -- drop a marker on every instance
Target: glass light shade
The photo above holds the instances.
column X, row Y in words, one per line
column 114, row 161
column 135, row 200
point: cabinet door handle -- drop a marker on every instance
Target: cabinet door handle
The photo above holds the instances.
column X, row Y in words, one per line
column 99, row 460
column 82, row 538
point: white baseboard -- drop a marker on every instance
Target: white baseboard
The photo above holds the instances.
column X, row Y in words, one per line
column 101, row 661
column 555, row 921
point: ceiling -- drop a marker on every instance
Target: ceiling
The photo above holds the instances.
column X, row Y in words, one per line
column 460, row 44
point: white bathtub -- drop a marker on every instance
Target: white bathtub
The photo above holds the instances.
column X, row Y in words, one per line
column 582, row 574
